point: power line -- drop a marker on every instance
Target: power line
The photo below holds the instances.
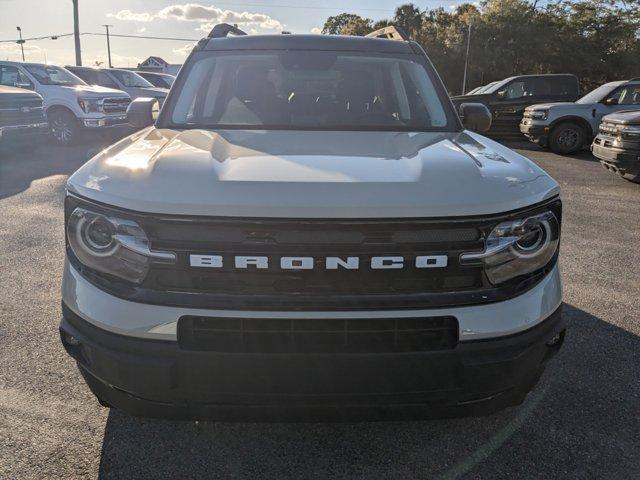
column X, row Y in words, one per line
column 143, row 37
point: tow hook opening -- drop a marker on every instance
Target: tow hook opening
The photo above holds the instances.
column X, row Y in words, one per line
column 73, row 346
column 557, row 340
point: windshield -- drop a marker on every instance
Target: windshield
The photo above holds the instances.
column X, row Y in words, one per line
column 598, row 94
column 485, row 88
column 496, row 86
column 308, row 90
column 130, row 79
column 50, row 75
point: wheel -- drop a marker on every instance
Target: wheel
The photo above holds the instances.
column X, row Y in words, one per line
column 632, row 178
column 567, row 138
column 64, row 127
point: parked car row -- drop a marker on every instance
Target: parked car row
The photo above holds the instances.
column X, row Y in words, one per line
column 547, row 111
column 69, row 100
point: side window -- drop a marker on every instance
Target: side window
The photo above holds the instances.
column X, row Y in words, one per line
column 11, row 76
column 629, row 95
column 562, row 86
column 519, row 89
column 87, row 76
column 105, row 80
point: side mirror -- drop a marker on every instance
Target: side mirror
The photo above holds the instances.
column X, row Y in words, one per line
column 501, row 94
column 611, row 101
column 26, row 85
column 475, row 116
column 142, row 112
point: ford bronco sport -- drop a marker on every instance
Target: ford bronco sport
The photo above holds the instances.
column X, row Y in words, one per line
column 617, row 144
column 308, row 227
column 567, row 127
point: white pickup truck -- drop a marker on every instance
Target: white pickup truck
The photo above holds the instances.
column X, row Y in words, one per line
column 567, row 127
column 70, row 103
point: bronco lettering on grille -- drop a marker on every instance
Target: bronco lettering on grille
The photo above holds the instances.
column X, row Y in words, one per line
column 308, row 263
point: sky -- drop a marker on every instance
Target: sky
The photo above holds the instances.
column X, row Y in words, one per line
column 166, row 18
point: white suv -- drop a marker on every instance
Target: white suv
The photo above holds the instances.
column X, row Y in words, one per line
column 308, row 225
column 567, row 127
column 70, row 103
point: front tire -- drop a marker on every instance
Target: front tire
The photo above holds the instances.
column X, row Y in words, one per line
column 632, row 178
column 567, row 138
column 64, row 127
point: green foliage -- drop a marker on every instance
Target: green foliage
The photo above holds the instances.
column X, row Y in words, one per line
column 598, row 40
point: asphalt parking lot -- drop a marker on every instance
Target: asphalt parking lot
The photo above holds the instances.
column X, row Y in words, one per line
column 582, row 421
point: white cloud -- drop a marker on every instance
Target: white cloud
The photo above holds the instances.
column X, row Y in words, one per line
column 185, row 50
column 11, row 51
column 128, row 15
column 316, row 30
column 192, row 12
column 207, row 15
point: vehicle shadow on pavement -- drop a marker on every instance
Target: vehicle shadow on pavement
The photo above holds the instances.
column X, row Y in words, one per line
column 18, row 170
column 584, row 154
column 580, row 422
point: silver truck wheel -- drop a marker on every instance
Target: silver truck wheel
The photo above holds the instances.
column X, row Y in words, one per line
column 567, row 138
column 64, row 127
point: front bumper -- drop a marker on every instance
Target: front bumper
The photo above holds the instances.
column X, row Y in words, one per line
column 105, row 121
column 22, row 134
column 535, row 133
column 130, row 357
column 619, row 159
column 159, row 379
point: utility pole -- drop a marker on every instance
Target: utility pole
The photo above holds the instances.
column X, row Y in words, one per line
column 21, row 42
column 108, row 44
column 466, row 62
column 76, row 32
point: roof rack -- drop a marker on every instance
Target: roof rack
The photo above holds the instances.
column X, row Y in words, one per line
column 391, row 33
column 222, row 30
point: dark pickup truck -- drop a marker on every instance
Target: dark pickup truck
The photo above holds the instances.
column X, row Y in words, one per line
column 617, row 144
column 508, row 98
column 23, row 124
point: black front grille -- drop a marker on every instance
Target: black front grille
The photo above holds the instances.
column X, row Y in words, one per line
column 318, row 240
column 115, row 105
column 317, row 335
column 21, row 112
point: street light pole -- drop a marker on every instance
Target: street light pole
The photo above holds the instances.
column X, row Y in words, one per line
column 108, row 44
column 76, row 33
column 21, row 42
column 466, row 62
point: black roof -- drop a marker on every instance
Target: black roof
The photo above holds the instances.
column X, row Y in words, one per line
column 307, row 42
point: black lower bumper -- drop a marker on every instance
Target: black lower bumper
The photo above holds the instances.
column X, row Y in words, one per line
column 621, row 160
column 535, row 133
column 33, row 134
column 156, row 378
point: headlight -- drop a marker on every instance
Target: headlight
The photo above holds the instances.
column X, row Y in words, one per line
column 632, row 133
column 112, row 245
column 539, row 114
column 518, row 247
column 89, row 105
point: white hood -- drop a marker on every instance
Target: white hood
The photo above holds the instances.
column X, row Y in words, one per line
column 312, row 174
column 96, row 91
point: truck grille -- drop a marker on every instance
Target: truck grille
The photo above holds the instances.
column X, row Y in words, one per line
column 317, row 288
column 115, row 105
column 319, row 240
column 21, row 112
column 313, row 335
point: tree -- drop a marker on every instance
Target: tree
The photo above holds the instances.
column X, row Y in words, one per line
column 598, row 40
column 354, row 24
